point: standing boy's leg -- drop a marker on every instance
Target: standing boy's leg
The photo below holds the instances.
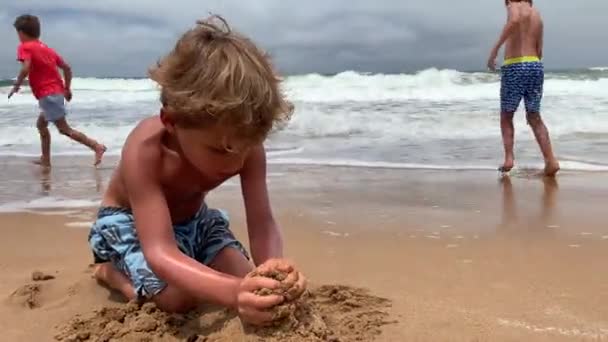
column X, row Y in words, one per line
column 510, row 96
column 508, row 140
column 532, row 98
column 544, row 142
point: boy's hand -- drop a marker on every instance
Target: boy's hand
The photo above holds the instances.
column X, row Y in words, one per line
column 295, row 278
column 492, row 60
column 13, row 91
column 252, row 308
column 68, row 95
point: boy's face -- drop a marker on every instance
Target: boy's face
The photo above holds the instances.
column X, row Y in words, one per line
column 206, row 151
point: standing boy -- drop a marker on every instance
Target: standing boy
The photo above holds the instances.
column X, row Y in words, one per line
column 522, row 77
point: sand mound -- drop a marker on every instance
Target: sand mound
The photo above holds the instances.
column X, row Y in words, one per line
column 329, row 313
column 132, row 322
column 326, row 313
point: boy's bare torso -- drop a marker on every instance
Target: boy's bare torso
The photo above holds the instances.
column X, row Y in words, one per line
column 184, row 188
column 525, row 40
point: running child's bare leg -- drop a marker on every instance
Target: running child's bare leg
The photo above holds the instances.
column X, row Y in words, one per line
column 45, row 141
column 65, row 129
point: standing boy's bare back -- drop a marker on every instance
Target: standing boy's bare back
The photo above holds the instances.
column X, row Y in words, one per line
column 526, row 39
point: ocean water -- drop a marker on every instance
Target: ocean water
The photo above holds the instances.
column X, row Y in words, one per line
column 434, row 119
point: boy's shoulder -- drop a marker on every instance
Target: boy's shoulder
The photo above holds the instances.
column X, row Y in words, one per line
column 36, row 45
column 32, row 44
column 142, row 151
column 145, row 138
column 24, row 46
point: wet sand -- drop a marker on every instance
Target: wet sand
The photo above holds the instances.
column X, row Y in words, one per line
column 458, row 255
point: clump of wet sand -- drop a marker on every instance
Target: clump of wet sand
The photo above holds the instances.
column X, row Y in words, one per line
column 289, row 289
column 41, row 276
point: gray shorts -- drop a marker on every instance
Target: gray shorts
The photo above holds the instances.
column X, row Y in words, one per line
column 52, row 107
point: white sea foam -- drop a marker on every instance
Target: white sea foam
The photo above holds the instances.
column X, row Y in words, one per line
column 565, row 165
column 352, row 114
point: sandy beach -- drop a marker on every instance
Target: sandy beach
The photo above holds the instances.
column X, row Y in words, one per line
column 457, row 255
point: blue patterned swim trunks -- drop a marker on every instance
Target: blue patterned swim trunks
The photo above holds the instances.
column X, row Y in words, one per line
column 521, row 79
column 113, row 238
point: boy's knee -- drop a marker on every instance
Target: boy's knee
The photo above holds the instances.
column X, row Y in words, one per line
column 173, row 301
column 43, row 131
column 65, row 131
column 506, row 117
column 41, row 125
column 177, row 306
column 533, row 119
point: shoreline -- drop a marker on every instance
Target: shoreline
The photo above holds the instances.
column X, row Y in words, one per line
column 73, row 182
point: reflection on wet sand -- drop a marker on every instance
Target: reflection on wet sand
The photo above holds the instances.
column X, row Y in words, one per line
column 542, row 220
column 45, row 176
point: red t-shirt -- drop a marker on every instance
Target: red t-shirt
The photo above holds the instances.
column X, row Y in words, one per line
column 44, row 77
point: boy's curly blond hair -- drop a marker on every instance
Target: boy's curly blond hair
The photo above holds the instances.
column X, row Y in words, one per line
column 215, row 76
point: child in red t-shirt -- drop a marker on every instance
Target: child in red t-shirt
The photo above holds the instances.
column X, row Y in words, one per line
column 39, row 64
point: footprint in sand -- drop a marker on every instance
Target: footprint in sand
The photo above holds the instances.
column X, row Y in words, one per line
column 27, row 296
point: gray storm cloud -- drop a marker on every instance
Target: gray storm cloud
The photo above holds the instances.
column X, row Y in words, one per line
column 122, row 38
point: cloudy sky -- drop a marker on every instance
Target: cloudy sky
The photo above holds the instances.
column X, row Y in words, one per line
column 123, row 37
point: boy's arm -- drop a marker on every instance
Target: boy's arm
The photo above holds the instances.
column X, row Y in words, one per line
column 25, row 57
column 155, row 232
column 507, row 30
column 67, row 76
column 540, row 41
column 264, row 235
column 512, row 21
column 25, row 70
